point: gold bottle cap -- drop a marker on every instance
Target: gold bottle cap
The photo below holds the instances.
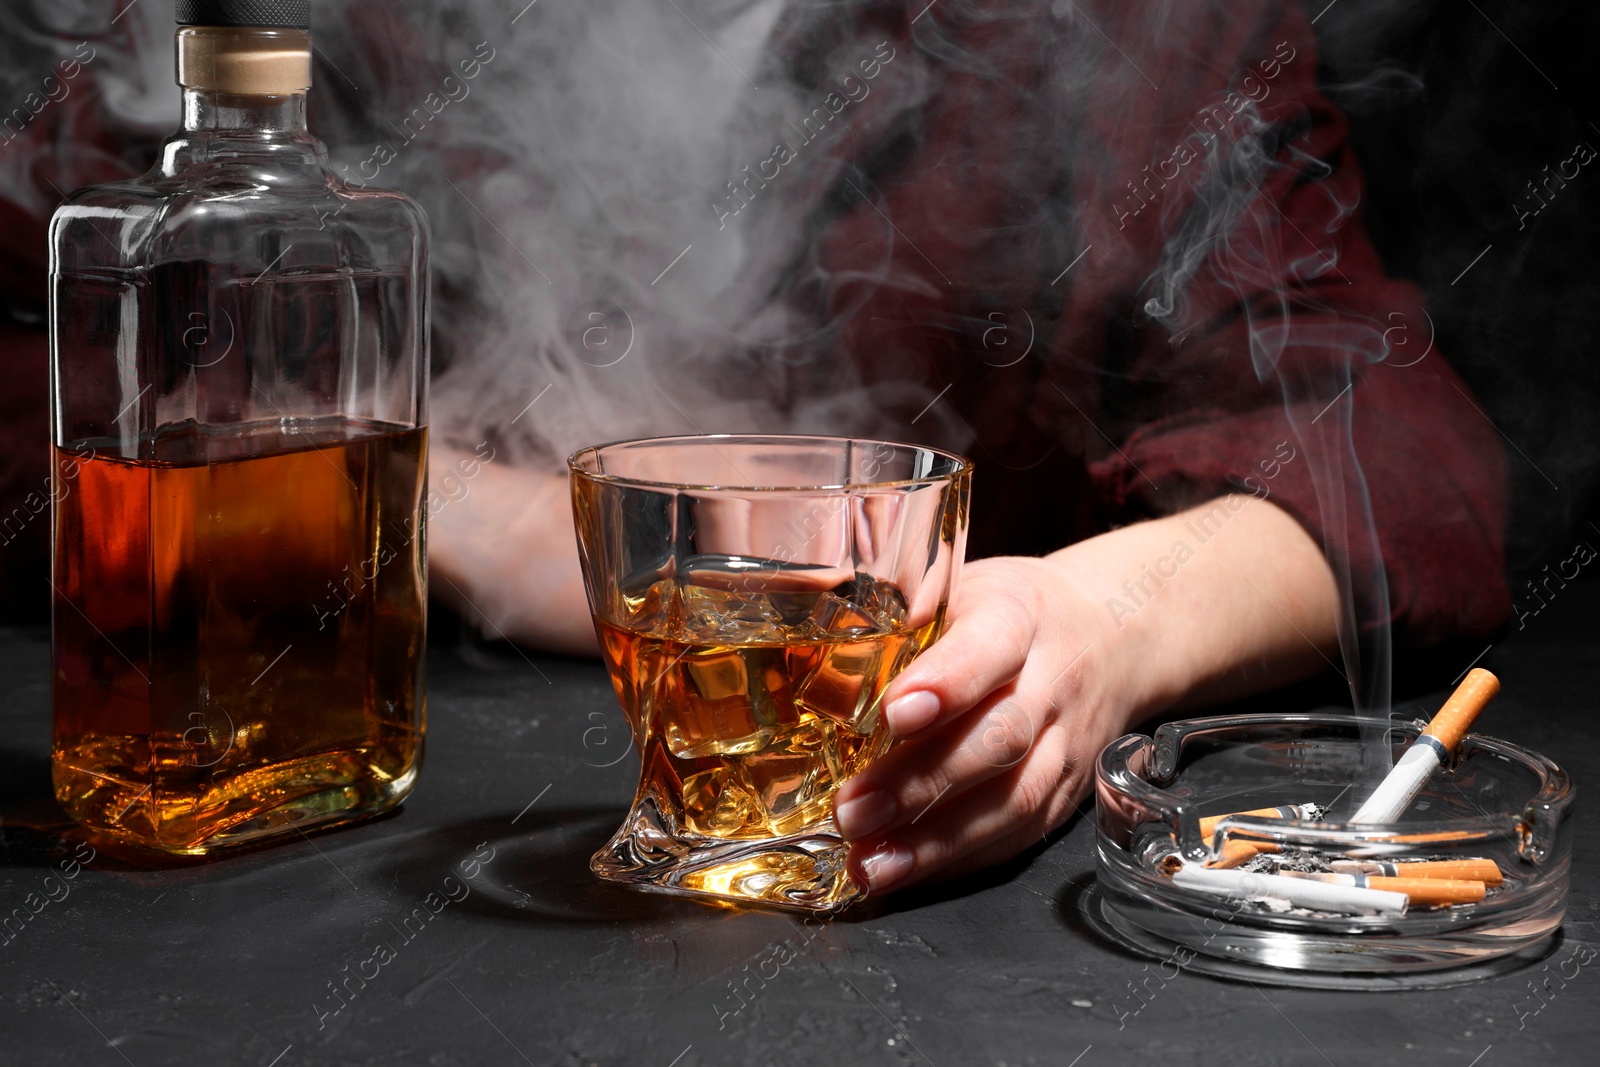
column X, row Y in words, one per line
column 262, row 60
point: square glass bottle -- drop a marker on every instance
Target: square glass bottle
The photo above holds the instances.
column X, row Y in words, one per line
column 239, row 359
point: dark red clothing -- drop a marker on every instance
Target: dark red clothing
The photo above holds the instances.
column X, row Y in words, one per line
column 1013, row 194
column 1170, row 421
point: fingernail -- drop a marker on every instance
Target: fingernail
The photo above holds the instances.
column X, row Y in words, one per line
column 862, row 815
column 912, row 712
column 887, row 865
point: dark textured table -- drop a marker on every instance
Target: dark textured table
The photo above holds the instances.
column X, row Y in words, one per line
column 498, row 947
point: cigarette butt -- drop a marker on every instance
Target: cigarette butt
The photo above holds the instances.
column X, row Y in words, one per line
column 1430, row 892
column 1439, row 837
column 1473, row 870
column 1300, row 893
column 1437, row 740
column 1237, row 853
column 1421, row 892
column 1208, row 825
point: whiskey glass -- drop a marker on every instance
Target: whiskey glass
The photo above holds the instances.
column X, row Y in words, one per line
column 753, row 596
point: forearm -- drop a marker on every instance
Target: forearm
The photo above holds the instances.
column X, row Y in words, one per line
column 501, row 551
column 1227, row 599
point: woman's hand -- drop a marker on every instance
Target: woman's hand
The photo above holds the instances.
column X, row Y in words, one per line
column 1045, row 661
column 1000, row 721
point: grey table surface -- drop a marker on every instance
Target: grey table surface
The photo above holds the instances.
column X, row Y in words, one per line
column 532, row 961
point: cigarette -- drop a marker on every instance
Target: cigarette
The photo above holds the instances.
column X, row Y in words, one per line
column 1408, row 844
column 1238, row 853
column 1476, row 870
column 1298, row 892
column 1235, row 853
column 1208, row 825
column 1421, row 892
column 1431, row 748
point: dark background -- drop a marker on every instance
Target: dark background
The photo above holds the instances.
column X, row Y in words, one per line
column 1451, row 121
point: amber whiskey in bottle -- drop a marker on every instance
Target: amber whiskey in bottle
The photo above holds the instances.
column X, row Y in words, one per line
column 239, row 390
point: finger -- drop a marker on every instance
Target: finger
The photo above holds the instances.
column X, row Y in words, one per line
column 914, row 775
column 1009, row 809
column 984, row 648
column 1068, row 803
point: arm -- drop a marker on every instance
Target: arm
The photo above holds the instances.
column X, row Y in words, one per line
column 1041, row 667
column 501, row 551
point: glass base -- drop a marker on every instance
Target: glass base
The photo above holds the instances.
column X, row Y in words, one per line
column 802, row 871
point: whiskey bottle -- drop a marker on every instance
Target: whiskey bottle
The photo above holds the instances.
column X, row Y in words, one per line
column 239, row 356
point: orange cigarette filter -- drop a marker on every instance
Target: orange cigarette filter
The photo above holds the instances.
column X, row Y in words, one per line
column 1431, row 749
column 1439, row 837
column 1238, row 853
column 1235, row 853
column 1423, row 892
column 1471, row 696
column 1474, row 870
column 1208, row 825
column 1431, row 891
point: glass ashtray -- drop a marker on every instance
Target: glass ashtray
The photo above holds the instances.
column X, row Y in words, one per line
column 1493, row 800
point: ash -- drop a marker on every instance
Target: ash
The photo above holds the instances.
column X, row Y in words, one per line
column 1288, row 860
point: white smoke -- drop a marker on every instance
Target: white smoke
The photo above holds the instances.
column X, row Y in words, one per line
column 577, row 178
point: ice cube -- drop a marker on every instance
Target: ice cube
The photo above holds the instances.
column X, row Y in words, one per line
column 794, row 776
column 720, row 803
column 857, row 750
column 795, row 608
column 656, row 608
column 843, row 685
column 724, row 701
column 881, row 600
column 791, row 589
column 836, row 616
column 723, row 617
column 859, row 606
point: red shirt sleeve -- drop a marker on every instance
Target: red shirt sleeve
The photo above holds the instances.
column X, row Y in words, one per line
column 1293, row 341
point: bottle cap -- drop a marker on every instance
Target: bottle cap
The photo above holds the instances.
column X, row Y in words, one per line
column 244, row 59
column 291, row 14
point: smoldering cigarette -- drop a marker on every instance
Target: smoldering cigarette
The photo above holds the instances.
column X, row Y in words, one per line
column 1431, row 748
column 1421, row 892
column 1473, row 870
column 1298, row 892
column 1235, row 853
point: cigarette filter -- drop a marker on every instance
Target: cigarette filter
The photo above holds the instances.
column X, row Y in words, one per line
column 1474, row 870
column 1299, row 892
column 1421, row 892
column 1394, row 794
column 1208, row 825
column 1237, row 853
